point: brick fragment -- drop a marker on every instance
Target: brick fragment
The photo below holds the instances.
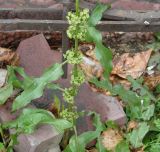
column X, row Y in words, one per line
column 35, row 55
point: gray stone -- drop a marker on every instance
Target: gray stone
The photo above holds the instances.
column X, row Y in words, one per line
column 45, row 138
column 35, row 55
column 54, row 149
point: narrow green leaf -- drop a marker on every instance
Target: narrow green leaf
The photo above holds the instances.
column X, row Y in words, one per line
column 97, row 14
column 123, row 146
column 149, row 112
column 93, row 35
column 31, row 118
column 2, row 148
column 104, row 55
column 57, row 103
column 86, row 137
column 5, row 93
column 143, row 90
column 35, row 89
column 137, row 135
column 14, row 80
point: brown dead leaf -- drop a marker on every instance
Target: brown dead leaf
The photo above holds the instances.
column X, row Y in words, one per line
column 133, row 65
column 132, row 125
column 91, row 68
column 8, row 57
column 92, row 150
column 152, row 81
column 3, row 75
column 111, row 137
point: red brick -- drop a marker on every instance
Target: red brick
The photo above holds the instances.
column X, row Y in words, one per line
column 42, row 2
column 44, row 139
column 134, row 5
column 108, row 107
column 56, row 6
column 8, row 5
column 35, row 55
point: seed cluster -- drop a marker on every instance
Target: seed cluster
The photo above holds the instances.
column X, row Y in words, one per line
column 78, row 24
column 77, row 77
column 73, row 56
column 69, row 115
column 69, row 94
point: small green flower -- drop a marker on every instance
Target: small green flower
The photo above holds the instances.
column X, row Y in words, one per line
column 73, row 56
column 69, row 94
column 77, row 77
column 69, row 115
column 78, row 24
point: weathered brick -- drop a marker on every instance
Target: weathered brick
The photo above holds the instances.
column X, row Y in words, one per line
column 42, row 2
column 3, row 75
column 35, row 55
column 54, row 149
column 108, row 107
column 135, row 5
column 43, row 139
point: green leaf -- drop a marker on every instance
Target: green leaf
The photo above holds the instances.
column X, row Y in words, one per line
column 57, row 104
column 86, row 137
column 93, row 35
column 137, row 135
column 143, row 90
column 100, row 146
column 2, row 148
column 111, row 124
column 149, row 112
column 97, row 14
column 35, row 89
column 155, row 147
column 14, row 80
column 5, row 93
column 53, row 86
column 123, row 146
column 104, row 55
column 157, row 35
column 31, row 118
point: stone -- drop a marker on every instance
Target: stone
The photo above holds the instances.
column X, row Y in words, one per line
column 1, row 1
column 54, row 149
column 56, row 6
column 44, row 139
column 108, row 107
column 3, row 75
column 35, row 55
column 135, row 5
column 42, row 2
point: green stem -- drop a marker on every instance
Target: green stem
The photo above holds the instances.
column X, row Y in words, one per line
column 76, row 139
column 77, row 7
column 2, row 135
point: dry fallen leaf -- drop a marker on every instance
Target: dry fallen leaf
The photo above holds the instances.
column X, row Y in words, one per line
column 91, row 68
column 3, row 75
column 133, row 65
column 152, row 81
column 92, row 150
column 132, row 125
column 111, row 137
column 8, row 57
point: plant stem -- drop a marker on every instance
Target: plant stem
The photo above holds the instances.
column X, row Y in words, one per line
column 2, row 135
column 76, row 139
column 77, row 7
